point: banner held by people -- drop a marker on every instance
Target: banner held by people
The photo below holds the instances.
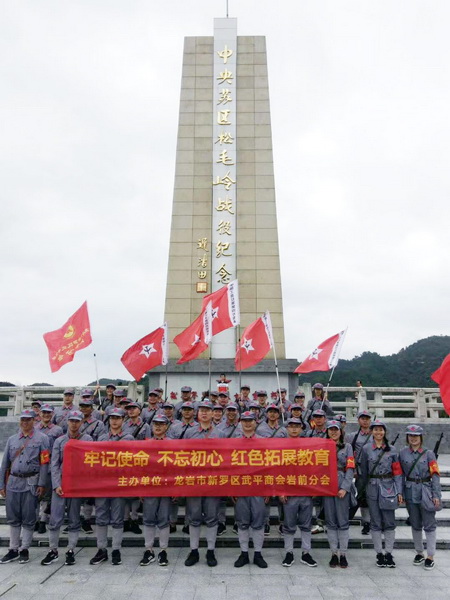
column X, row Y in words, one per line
column 325, row 357
column 147, row 353
column 255, row 343
column 73, row 336
column 200, row 467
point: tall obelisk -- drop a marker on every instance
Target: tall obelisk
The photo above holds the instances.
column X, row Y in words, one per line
column 224, row 222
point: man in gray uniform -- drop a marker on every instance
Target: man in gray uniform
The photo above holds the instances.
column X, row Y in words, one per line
column 231, row 422
column 207, row 508
column 53, row 432
column 358, row 440
column 59, row 503
column 110, row 511
column 297, row 513
column 61, row 412
column 26, row 458
column 156, row 511
column 250, row 510
column 154, row 406
column 90, row 425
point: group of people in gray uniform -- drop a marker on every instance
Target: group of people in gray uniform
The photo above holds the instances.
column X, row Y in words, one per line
column 372, row 474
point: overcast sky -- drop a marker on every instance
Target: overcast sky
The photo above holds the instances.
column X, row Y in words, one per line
column 360, row 97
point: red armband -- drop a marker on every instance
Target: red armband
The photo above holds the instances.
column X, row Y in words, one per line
column 44, row 457
column 350, row 462
column 396, row 468
column 434, row 468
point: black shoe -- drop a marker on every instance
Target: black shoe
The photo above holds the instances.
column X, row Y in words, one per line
column 42, row 528
column 116, row 559
column 51, row 557
column 24, row 557
column 308, row 560
column 36, row 526
column 70, row 558
column 149, row 557
column 65, row 530
column 334, row 562
column 185, row 529
column 259, row 561
column 173, row 528
column 389, row 560
column 10, row 556
column 380, row 560
column 235, row 528
column 429, row 564
column 343, row 561
column 100, row 557
column 418, row 560
column 163, row 561
column 221, row 528
column 134, row 527
column 242, row 560
column 127, row 526
column 288, row 559
column 211, row 559
column 192, row 559
column 280, row 529
column 86, row 527
column 365, row 529
column 266, row 530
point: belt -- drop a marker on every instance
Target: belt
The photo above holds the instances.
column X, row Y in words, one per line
column 390, row 476
column 24, row 475
column 342, row 470
column 418, row 479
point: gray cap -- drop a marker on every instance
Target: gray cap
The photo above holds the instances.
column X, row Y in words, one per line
column 414, row 430
column 68, row 391
column 87, row 392
column 205, row 404
column 47, row 408
column 27, row 414
column 247, row 416
column 294, row 421
column 117, row 412
column 160, row 419
column 186, row 389
column 75, row 415
column 333, row 423
column 86, row 401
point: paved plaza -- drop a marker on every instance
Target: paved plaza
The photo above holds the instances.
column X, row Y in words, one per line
column 362, row 580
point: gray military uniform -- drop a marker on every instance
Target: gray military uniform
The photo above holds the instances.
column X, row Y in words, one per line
column 202, row 509
column 93, row 427
column 337, row 509
column 60, row 416
column 383, row 486
column 29, row 470
column 110, row 511
column 264, row 430
column 420, row 486
column 139, row 430
column 60, row 504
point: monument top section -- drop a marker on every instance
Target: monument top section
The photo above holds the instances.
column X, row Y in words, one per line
column 224, row 222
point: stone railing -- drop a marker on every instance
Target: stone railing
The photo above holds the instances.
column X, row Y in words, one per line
column 424, row 403
column 22, row 397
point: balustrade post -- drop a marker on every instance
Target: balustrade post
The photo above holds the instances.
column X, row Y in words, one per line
column 308, row 392
column 421, row 405
column 362, row 400
column 379, row 412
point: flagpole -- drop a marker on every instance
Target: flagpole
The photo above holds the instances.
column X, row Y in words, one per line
column 278, row 383
column 325, row 394
column 165, row 384
column 240, row 361
column 96, row 377
column 209, row 371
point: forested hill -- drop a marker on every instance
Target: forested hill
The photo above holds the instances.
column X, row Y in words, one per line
column 411, row 367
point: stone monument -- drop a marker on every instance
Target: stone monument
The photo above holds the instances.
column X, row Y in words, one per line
column 224, row 222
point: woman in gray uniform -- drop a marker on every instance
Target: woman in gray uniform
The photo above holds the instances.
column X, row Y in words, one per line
column 382, row 478
column 422, row 493
column 336, row 508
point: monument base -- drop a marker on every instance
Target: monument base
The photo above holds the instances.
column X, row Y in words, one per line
column 196, row 374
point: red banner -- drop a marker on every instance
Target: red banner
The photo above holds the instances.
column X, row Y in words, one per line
column 200, row 467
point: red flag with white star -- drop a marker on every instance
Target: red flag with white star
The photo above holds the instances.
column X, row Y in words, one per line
column 325, row 357
column 255, row 343
column 442, row 377
column 224, row 307
column 195, row 339
column 147, row 353
column 74, row 335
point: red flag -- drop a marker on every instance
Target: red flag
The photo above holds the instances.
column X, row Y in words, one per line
column 325, row 357
column 256, row 341
column 442, row 378
column 74, row 335
column 225, row 307
column 148, row 353
column 195, row 339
